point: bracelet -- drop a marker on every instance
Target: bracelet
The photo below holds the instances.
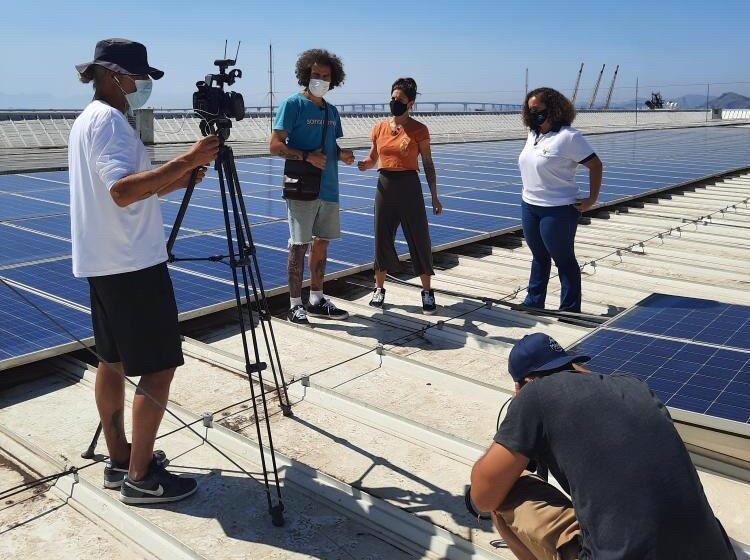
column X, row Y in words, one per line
column 304, row 156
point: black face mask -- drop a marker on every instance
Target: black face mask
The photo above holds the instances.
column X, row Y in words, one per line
column 537, row 119
column 398, row 108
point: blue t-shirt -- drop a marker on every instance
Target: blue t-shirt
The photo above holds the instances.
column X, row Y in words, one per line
column 303, row 121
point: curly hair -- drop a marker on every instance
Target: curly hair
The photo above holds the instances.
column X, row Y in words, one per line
column 406, row 85
column 324, row 58
column 561, row 110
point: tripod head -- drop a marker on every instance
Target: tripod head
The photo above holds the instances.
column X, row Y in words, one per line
column 216, row 107
column 223, row 77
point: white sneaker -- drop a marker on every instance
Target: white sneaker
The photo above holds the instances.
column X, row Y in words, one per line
column 378, row 297
column 298, row 315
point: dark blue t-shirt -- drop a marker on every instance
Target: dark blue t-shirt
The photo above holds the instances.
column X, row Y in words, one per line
column 303, row 121
column 612, row 445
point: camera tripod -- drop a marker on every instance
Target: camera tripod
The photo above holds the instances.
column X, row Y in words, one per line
column 248, row 284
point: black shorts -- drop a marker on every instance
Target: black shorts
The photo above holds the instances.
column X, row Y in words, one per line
column 134, row 315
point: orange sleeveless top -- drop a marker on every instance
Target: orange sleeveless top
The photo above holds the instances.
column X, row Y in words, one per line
column 400, row 150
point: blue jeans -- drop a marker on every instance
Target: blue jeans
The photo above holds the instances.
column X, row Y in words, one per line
column 550, row 234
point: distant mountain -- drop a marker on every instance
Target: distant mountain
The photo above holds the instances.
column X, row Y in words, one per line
column 690, row 101
column 731, row 100
column 728, row 100
column 623, row 104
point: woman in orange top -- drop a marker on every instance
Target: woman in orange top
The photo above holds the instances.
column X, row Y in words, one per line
column 396, row 143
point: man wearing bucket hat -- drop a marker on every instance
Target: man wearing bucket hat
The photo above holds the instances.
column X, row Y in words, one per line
column 611, row 445
column 118, row 245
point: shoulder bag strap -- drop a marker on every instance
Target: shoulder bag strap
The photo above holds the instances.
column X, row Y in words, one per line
column 325, row 130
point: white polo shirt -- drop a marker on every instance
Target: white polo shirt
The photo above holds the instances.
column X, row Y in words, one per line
column 548, row 166
column 103, row 148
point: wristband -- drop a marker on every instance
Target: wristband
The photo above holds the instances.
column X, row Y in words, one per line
column 304, row 156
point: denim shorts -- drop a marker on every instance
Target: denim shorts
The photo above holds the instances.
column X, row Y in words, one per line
column 312, row 218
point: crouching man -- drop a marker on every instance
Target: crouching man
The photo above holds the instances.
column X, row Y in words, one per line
column 611, row 445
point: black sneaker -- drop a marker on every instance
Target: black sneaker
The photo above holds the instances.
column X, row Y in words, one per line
column 158, row 487
column 326, row 309
column 115, row 472
column 298, row 315
column 428, row 302
column 378, row 297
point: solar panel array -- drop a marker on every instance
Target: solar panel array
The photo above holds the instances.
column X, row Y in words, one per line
column 479, row 186
column 691, row 352
column 696, row 320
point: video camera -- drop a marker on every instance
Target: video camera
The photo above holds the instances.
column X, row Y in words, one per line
column 216, row 107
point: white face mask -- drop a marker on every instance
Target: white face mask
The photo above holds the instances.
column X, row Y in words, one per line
column 318, row 87
column 142, row 92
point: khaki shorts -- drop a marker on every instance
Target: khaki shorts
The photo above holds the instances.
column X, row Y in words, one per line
column 312, row 218
column 542, row 518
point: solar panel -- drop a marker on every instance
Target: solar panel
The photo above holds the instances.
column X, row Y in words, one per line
column 54, row 277
column 480, row 184
column 52, row 225
column 59, row 194
column 698, row 320
column 272, row 262
column 13, row 207
column 28, row 183
column 24, row 331
column 19, row 246
column 688, row 376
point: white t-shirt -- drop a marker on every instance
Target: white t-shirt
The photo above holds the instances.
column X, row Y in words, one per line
column 103, row 148
column 548, row 169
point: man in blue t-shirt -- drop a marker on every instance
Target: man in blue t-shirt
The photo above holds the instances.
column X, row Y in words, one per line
column 297, row 135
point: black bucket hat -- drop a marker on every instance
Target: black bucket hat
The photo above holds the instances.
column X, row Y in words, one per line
column 121, row 56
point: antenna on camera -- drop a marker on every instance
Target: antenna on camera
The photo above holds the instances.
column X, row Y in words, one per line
column 237, row 54
column 225, row 47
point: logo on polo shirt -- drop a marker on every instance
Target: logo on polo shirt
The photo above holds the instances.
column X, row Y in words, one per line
column 554, row 345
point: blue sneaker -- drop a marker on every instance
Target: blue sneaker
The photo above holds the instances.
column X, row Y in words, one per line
column 114, row 473
column 158, row 487
column 429, row 307
column 326, row 309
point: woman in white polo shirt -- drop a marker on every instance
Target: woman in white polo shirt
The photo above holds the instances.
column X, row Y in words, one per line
column 551, row 205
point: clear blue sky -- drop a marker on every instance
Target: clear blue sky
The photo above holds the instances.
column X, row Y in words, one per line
column 473, row 50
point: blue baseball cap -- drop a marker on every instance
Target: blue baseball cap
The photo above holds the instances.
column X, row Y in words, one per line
column 539, row 353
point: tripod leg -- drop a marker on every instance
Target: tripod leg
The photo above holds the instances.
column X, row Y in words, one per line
column 181, row 214
column 225, row 168
column 262, row 302
column 89, row 453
